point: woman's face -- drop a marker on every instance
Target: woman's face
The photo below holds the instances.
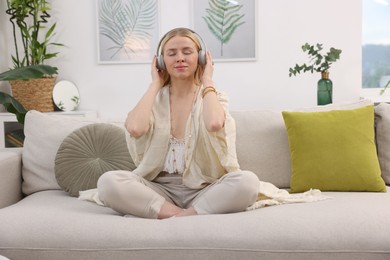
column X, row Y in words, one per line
column 181, row 57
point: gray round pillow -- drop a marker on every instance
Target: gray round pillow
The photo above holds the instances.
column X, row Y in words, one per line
column 87, row 153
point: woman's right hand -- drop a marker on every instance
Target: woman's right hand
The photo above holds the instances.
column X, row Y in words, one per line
column 157, row 75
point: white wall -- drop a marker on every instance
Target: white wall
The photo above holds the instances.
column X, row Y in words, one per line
column 283, row 26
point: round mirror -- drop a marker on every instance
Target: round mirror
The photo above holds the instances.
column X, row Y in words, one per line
column 66, row 95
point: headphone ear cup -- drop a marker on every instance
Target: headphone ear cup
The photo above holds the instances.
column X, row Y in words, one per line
column 160, row 62
column 202, row 57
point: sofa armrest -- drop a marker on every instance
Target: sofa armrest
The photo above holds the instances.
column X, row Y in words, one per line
column 10, row 176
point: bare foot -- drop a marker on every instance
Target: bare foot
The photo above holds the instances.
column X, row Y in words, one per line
column 168, row 210
column 187, row 212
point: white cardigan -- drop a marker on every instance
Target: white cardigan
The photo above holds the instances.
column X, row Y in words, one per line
column 215, row 153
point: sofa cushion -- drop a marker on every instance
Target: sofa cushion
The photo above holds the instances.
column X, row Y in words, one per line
column 333, row 150
column 53, row 225
column 382, row 129
column 87, row 153
column 262, row 143
column 44, row 135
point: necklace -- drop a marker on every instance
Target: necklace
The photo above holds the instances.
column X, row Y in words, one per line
column 176, row 160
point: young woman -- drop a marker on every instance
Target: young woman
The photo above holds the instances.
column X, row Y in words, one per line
column 182, row 139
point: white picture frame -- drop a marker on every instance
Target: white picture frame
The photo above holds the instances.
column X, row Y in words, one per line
column 242, row 45
column 121, row 37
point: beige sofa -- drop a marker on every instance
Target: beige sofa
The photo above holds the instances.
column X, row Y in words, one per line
column 39, row 220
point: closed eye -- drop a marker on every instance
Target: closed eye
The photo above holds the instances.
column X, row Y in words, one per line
column 185, row 51
column 171, row 53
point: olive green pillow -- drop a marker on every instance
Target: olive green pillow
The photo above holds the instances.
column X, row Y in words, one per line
column 87, row 153
column 333, row 150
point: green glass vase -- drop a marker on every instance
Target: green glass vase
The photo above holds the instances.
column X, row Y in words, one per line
column 324, row 89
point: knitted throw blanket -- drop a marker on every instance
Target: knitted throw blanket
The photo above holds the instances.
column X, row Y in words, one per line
column 270, row 195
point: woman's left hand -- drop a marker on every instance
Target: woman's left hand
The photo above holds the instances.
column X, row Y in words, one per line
column 207, row 79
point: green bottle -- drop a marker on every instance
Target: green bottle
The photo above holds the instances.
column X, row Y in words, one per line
column 324, row 89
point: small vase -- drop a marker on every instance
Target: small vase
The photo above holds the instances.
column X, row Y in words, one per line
column 324, row 89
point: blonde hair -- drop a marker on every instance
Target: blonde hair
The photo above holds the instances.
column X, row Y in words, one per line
column 184, row 32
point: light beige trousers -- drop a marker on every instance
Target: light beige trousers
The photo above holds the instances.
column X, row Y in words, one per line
column 128, row 193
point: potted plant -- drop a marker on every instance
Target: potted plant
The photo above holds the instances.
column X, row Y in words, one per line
column 32, row 82
column 319, row 63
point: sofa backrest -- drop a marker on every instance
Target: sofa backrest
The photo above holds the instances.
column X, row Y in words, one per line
column 262, row 144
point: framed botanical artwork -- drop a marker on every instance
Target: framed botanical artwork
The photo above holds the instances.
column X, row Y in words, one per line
column 128, row 30
column 228, row 27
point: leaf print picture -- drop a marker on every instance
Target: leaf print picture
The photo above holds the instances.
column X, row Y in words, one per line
column 223, row 18
column 228, row 27
column 127, row 30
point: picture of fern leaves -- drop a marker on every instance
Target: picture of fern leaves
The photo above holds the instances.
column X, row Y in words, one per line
column 228, row 27
column 126, row 28
column 223, row 18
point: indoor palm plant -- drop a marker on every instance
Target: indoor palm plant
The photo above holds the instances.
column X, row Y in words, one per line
column 319, row 63
column 32, row 82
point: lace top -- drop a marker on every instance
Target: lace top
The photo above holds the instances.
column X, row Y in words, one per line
column 175, row 160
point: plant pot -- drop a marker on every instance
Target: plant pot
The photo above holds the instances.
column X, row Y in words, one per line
column 34, row 94
column 324, row 89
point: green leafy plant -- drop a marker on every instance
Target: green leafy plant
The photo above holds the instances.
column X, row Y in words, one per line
column 223, row 19
column 28, row 19
column 26, row 73
column 127, row 24
column 31, row 41
column 318, row 62
column 13, row 106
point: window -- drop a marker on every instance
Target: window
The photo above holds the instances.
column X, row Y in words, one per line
column 376, row 43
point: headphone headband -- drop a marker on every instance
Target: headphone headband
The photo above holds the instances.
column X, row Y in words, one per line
column 202, row 51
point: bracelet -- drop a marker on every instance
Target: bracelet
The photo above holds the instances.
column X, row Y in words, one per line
column 207, row 90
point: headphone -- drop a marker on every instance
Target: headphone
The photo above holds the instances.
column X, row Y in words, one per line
column 201, row 55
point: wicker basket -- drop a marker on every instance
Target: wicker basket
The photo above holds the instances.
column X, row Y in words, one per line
column 34, row 94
